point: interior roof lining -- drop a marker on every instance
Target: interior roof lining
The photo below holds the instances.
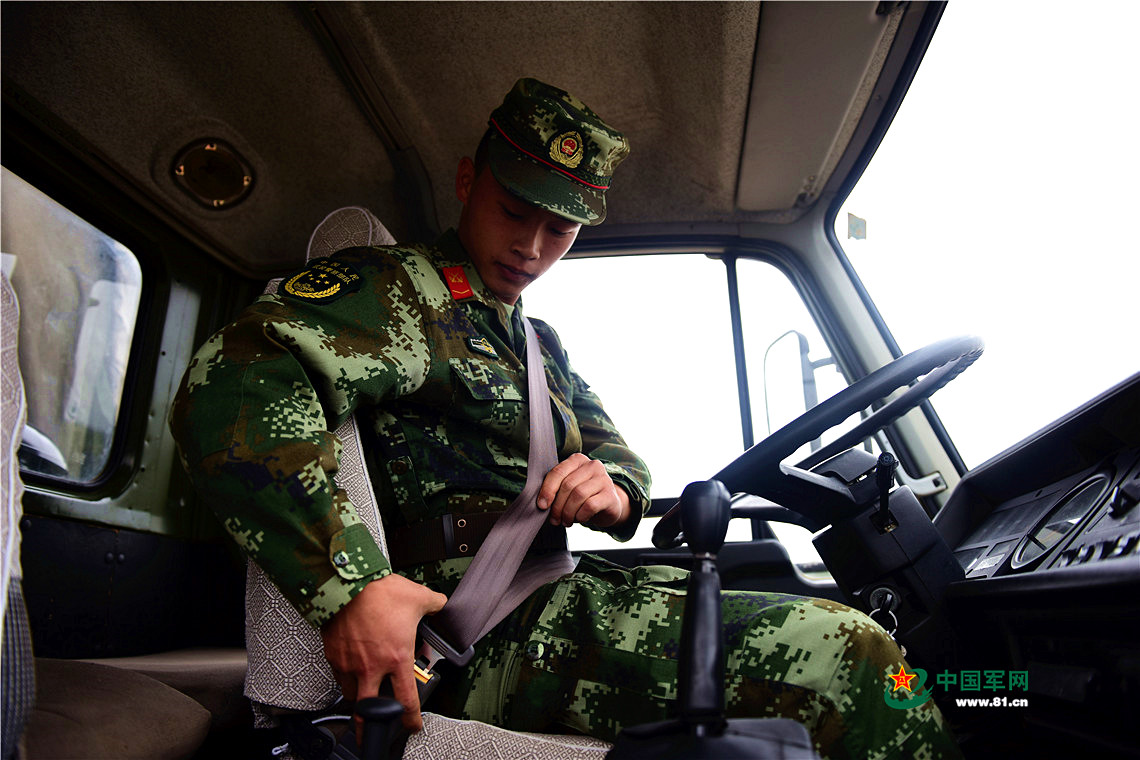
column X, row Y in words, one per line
column 681, row 89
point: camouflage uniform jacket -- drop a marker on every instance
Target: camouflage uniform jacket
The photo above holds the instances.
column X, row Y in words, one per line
column 434, row 373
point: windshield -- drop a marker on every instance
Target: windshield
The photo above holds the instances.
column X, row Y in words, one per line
column 994, row 206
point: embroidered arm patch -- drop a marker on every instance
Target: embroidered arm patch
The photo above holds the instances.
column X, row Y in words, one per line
column 324, row 280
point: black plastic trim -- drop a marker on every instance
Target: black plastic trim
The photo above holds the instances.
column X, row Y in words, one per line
column 98, row 591
column 742, row 390
column 1115, row 579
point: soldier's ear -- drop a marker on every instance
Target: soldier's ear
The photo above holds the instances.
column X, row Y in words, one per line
column 464, row 179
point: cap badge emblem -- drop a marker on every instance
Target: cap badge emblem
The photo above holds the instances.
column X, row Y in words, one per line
column 566, row 149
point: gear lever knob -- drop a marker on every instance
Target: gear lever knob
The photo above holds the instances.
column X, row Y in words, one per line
column 705, row 512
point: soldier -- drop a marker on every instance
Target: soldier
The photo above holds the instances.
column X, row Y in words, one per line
column 426, row 342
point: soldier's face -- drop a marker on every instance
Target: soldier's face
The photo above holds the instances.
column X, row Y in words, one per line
column 511, row 242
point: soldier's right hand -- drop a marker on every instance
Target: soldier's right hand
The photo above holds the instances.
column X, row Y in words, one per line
column 374, row 637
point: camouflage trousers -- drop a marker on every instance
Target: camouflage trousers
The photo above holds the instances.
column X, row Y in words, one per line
column 597, row 650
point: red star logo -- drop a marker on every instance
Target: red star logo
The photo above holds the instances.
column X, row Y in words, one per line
column 902, row 679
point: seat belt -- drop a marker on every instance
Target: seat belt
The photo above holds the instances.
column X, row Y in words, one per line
column 500, row 576
column 498, row 579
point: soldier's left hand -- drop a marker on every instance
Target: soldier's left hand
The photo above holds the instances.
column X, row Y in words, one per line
column 578, row 489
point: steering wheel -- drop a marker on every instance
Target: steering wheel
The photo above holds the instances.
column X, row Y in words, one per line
column 820, row 499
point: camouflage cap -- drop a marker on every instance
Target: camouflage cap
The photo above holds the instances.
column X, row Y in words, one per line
column 550, row 149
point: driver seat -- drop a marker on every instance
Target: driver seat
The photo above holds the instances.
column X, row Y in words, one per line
column 287, row 669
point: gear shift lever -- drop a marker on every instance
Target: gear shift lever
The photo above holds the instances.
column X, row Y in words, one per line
column 705, row 513
column 701, row 731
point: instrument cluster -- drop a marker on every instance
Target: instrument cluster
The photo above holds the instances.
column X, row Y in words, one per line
column 1088, row 517
column 1066, row 497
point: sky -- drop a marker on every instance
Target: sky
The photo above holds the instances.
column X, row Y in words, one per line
column 1004, row 193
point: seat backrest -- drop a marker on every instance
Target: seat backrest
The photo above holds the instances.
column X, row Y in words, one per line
column 18, row 670
column 11, row 423
column 287, row 665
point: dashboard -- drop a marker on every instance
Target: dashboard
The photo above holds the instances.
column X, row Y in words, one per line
column 1085, row 518
column 1065, row 498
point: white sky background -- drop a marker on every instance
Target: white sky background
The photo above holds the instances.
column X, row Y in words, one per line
column 1002, row 203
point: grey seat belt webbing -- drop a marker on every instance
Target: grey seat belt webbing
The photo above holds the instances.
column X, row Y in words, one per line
column 500, row 576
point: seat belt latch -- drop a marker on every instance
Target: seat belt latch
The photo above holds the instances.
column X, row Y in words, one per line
column 433, row 648
column 430, row 650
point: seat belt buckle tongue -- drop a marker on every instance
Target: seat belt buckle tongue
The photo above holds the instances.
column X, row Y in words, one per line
column 433, row 648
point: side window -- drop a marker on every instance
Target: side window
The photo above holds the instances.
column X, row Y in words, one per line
column 78, row 291
column 790, row 367
column 652, row 334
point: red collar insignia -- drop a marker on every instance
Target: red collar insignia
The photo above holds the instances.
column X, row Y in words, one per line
column 457, row 283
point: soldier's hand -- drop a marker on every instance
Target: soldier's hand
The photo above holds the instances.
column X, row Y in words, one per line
column 374, row 637
column 578, row 489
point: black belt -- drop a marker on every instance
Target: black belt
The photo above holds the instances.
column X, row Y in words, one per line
column 457, row 535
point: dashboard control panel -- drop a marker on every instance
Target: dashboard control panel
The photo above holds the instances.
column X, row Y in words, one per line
column 1087, row 517
column 1066, row 497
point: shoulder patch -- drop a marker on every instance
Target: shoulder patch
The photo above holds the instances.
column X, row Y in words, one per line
column 324, row 280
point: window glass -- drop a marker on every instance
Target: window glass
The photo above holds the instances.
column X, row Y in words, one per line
column 790, row 368
column 660, row 357
column 994, row 207
column 78, row 291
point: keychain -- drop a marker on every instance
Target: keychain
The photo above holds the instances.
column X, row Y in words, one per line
column 885, row 603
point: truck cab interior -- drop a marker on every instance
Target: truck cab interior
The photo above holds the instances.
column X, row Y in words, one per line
column 163, row 161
